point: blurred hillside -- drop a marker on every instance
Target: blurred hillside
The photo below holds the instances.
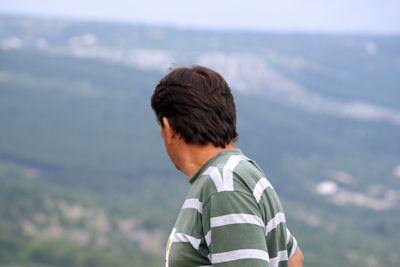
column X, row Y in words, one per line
column 84, row 177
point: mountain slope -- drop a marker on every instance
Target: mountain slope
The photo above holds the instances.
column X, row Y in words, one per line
column 82, row 166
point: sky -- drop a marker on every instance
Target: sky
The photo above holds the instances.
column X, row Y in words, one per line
column 338, row 16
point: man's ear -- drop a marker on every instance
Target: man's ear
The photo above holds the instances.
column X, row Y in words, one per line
column 169, row 131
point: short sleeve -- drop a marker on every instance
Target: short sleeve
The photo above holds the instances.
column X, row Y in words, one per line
column 291, row 244
column 234, row 230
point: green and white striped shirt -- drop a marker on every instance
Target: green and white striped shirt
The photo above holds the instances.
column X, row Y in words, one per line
column 231, row 217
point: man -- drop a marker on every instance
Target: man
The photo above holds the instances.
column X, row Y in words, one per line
column 232, row 215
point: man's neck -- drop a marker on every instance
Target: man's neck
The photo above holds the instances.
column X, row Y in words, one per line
column 197, row 155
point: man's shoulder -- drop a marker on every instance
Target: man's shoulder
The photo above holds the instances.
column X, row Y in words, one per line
column 229, row 171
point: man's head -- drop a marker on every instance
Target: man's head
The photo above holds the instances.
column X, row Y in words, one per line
column 198, row 104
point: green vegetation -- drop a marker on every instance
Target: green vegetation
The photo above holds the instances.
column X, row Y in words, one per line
column 41, row 226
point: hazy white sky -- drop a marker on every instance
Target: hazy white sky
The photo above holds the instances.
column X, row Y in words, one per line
column 354, row 16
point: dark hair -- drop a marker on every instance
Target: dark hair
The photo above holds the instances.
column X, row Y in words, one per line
column 198, row 104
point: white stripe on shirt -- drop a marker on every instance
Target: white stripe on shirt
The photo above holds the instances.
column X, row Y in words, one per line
column 282, row 256
column 228, row 172
column 215, row 175
column 193, row 203
column 236, row 219
column 224, row 182
column 274, row 222
column 238, row 255
column 179, row 237
column 294, row 248
column 261, row 185
column 288, row 234
column 208, row 238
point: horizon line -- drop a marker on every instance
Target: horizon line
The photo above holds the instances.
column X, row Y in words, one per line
column 194, row 27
